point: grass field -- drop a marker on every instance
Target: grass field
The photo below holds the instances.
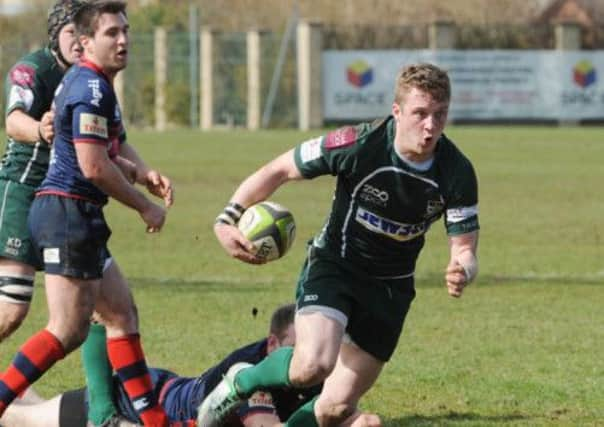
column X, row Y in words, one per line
column 524, row 346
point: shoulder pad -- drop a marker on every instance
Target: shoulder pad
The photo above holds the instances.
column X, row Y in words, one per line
column 341, row 137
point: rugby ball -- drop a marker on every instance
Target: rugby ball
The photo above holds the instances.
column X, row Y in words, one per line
column 270, row 227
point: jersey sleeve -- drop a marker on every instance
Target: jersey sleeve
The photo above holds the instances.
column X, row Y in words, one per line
column 91, row 112
column 22, row 88
column 334, row 153
column 121, row 132
column 461, row 213
column 261, row 402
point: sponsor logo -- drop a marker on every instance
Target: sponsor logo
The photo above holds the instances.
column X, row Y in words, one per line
column 51, row 255
column 95, row 85
column 364, row 99
column 22, row 75
column 341, row 137
column 359, row 73
column 387, row 227
column 461, row 214
column 310, row 150
column 584, row 92
column 360, row 76
column 374, row 195
column 312, row 297
column 13, row 244
column 19, row 95
column 92, row 124
column 584, row 74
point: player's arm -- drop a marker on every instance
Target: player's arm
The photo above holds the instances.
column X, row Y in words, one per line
column 97, row 167
column 156, row 183
column 128, row 168
column 257, row 187
column 265, row 181
column 463, row 263
column 20, row 126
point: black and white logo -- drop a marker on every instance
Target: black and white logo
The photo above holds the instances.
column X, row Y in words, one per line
column 374, row 195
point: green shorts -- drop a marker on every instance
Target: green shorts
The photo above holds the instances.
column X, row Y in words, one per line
column 15, row 240
column 373, row 310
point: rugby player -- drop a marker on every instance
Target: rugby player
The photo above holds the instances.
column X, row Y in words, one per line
column 67, row 223
column 30, row 85
column 181, row 396
column 395, row 177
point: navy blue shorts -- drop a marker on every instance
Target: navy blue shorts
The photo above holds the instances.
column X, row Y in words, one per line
column 70, row 236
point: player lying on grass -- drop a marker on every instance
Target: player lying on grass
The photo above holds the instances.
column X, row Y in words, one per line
column 181, row 396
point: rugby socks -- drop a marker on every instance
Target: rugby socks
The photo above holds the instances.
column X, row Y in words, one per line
column 304, row 416
column 34, row 358
column 99, row 376
column 126, row 356
column 272, row 371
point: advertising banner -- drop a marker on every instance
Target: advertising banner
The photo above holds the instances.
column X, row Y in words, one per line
column 486, row 84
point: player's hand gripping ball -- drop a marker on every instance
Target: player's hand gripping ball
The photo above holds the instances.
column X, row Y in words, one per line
column 270, row 227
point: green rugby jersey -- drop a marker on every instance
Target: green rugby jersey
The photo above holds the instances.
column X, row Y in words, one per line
column 30, row 87
column 383, row 206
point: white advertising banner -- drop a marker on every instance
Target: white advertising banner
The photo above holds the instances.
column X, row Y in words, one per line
column 486, row 84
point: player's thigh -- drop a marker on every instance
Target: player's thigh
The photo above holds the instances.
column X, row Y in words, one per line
column 323, row 307
column 354, row 374
column 318, row 337
column 378, row 314
column 15, row 239
column 70, row 305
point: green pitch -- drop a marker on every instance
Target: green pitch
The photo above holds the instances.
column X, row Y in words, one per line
column 524, row 346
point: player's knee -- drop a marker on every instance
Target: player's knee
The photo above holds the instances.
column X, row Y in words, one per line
column 11, row 317
column 71, row 333
column 16, row 291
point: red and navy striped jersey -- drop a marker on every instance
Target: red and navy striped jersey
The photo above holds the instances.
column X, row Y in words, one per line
column 86, row 112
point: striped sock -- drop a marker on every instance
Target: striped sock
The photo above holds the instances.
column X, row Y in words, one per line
column 36, row 356
column 127, row 358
